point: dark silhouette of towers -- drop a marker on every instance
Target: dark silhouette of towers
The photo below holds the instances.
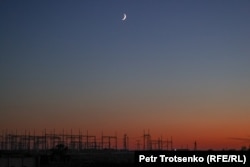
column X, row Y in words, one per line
column 125, row 142
column 195, row 145
column 109, row 142
column 76, row 141
column 159, row 144
column 147, row 145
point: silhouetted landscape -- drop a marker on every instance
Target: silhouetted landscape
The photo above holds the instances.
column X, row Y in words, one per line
column 76, row 150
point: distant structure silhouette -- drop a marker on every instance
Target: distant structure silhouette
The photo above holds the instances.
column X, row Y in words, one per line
column 125, row 142
column 195, row 145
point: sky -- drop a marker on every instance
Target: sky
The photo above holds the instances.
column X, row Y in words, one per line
column 177, row 68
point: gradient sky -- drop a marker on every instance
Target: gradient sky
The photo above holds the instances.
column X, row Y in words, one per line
column 178, row 68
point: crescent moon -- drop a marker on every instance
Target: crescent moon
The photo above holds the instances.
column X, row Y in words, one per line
column 124, row 17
